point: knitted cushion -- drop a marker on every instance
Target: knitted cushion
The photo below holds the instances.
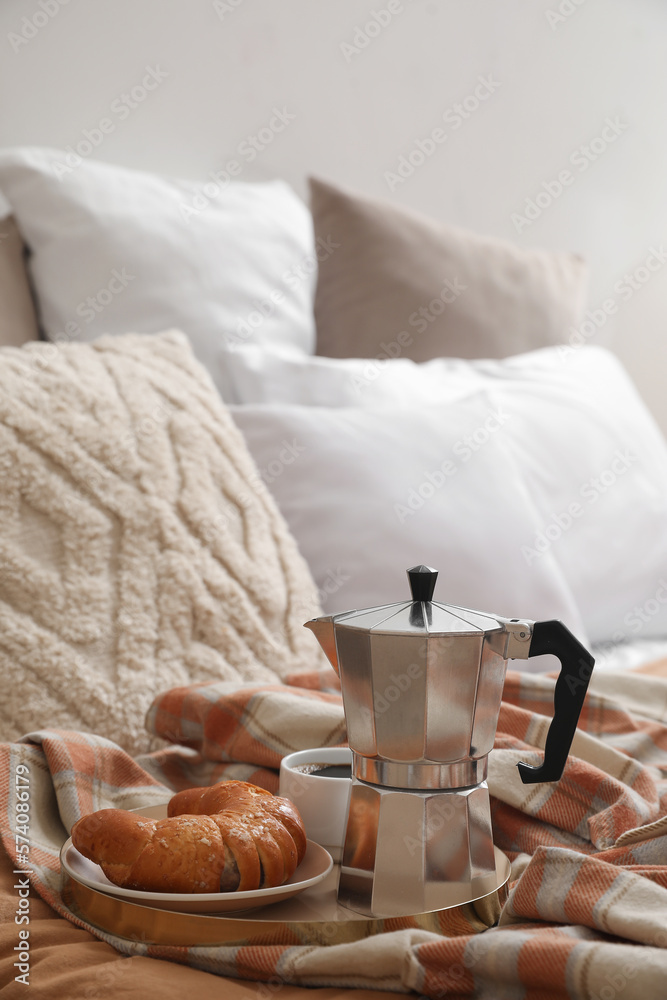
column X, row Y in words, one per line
column 139, row 548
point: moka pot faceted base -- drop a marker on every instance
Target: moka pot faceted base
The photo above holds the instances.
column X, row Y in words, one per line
column 413, row 850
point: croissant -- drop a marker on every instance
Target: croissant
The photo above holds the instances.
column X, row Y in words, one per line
column 230, row 837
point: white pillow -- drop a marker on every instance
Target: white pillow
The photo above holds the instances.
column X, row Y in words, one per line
column 557, row 504
column 368, row 494
column 275, row 374
column 116, row 250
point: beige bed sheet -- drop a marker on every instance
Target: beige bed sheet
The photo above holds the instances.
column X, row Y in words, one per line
column 68, row 963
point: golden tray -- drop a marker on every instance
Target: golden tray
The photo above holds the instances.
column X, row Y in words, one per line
column 314, row 917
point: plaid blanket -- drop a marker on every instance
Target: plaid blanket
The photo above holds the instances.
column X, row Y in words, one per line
column 587, row 912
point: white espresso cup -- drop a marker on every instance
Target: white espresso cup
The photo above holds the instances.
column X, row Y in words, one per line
column 322, row 800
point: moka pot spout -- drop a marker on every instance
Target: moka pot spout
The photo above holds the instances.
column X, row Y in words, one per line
column 324, row 633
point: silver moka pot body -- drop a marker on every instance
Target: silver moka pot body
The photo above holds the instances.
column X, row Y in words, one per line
column 422, row 687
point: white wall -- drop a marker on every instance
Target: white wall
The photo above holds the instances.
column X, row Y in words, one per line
column 355, row 113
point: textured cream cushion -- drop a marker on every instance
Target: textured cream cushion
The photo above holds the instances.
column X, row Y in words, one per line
column 139, row 549
column 395, row 284
column 18, row 322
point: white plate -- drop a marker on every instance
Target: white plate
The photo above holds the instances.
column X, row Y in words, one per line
column 314, row 868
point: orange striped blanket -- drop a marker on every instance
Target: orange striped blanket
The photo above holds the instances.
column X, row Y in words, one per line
column 587, row 912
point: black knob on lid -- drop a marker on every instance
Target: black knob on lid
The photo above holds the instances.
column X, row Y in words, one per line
column 422, row 582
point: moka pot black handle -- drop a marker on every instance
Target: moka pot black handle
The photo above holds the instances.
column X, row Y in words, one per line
column 569, row 693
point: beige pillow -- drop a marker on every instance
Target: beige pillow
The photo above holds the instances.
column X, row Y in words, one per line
column 393, row 283
column 139, row 548
column 18, row 322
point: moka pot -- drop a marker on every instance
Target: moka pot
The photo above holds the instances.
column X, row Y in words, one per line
column 422, row 686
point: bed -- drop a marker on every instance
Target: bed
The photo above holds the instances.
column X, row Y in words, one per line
column 223, row 413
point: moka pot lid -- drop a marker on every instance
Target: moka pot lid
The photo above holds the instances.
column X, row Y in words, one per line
column 421, row 615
